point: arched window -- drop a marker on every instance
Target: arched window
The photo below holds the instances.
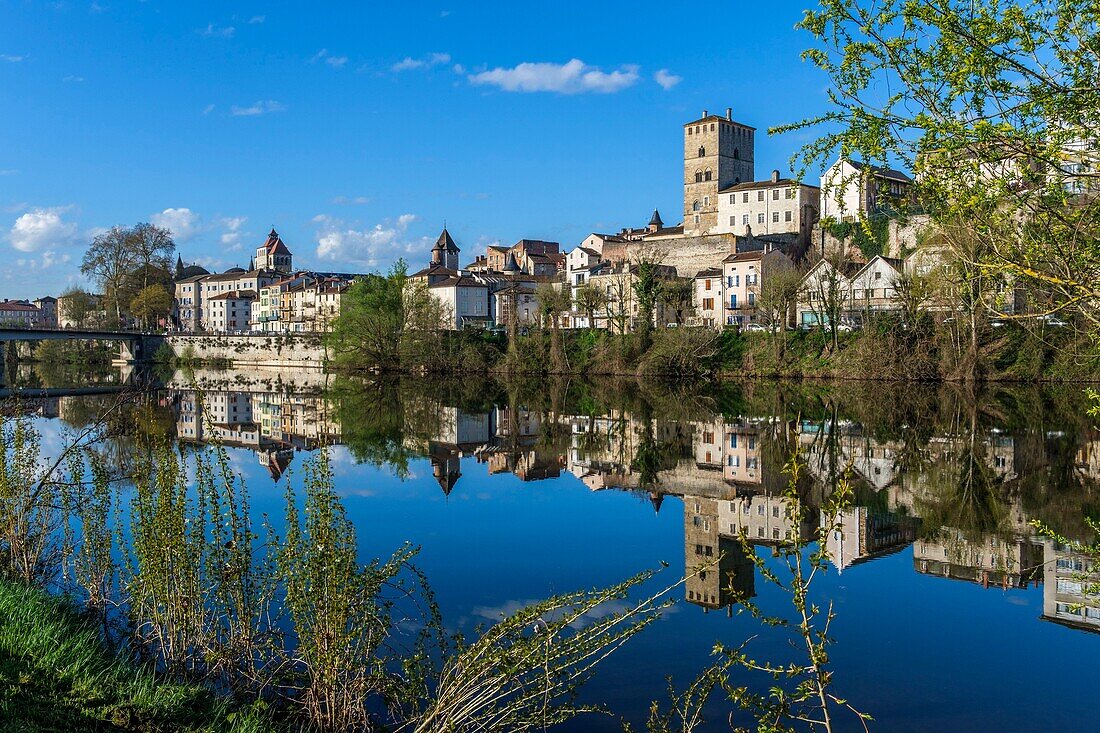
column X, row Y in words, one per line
column 702, row 151
column 736, row 154
column 695, row 206
column 707, row 175
column 698, row 176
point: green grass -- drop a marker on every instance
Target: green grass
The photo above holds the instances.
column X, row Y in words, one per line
column 57, row 675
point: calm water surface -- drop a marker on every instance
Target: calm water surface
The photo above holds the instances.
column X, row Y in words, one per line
column 953, row 613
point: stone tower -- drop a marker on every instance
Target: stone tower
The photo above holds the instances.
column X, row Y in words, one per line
column 718, row 152
column 445, row 251
column 273, row 254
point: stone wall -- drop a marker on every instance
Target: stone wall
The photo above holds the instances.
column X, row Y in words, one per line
column 265, row 349
column 690, row 254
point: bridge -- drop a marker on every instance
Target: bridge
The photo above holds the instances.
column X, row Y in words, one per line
column 135, row 345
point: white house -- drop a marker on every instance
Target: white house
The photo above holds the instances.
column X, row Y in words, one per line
column 874, row 287
column 853, row 190
column 466, row 300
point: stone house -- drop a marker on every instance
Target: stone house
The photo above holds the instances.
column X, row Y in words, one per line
column 774, row 206
column 708, row 297
column 726, row 295
column 620, row 311
column 47, row 311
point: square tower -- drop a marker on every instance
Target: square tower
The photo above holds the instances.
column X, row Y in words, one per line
column 718, row 152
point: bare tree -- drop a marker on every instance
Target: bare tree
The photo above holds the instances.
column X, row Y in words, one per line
column 108, row 262
column 589, row 299
column 777, row 298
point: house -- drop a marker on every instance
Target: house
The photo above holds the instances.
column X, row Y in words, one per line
column 465, row 299
column 825, row 292
column 854, row 190
column 81, row 310
column 18, row 314
column 874, row 287
column 620, row 310
column 727, row 295
column 708, row 297
column 774, row 206
column 230, row 311
column 47, row 311
column 742, row 275
column 516, row 303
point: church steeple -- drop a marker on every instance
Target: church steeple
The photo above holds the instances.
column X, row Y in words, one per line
column 179, row 266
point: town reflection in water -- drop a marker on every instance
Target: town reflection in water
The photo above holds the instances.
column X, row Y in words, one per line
column 955, row 479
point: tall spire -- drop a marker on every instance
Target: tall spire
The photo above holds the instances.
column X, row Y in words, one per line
column 179, row 265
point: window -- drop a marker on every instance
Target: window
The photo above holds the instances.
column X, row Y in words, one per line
column 729, row 281
column 787, row 216
column 731, row 220
column 745, row 197
column 698, row 176
column 789, row 193
column 775, row 194
column 708, row 304
column 733, row 300
column 695, row 206
column 706, row 284
column 702, row 152
column 706, row 199
column 744, row 218
column 707, row 176
column 775, row 217
column 731, row 198
column 736, row 154
column 759, row 218
column 752, row 299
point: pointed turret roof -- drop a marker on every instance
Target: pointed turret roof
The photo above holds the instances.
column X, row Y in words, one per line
column 274, row 243
column 656, row 500
column 511, row 265
column 445, row 242
column 655, row 220
column 251, row 264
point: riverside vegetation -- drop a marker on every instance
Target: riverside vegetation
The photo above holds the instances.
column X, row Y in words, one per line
column 389, row 323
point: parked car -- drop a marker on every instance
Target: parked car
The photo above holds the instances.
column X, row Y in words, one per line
column 755, row 328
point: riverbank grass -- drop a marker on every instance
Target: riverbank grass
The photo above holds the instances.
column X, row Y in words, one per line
column 56, row 674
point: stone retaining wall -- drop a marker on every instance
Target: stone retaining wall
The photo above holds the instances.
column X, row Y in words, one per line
column 267, row 350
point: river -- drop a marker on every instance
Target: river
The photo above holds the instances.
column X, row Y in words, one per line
column 953, row 612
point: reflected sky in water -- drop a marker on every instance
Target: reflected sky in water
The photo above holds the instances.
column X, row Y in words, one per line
column 953, row 613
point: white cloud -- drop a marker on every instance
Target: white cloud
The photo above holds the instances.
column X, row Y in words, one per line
column 426, row 62
column 11, row 58
column 214, row 31
column 73, row 78
column 667, row 79
column 8, row 172
column 358, row 200
column 208, row 109
column 444, row 13
column 257, row 19
column 572, row 77
column 371, row 247
column 334, row 61
column 42, row 228
column 261, row 107
column 231, row 236
column 182, row 222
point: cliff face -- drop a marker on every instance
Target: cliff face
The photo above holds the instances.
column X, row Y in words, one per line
column 691, row 253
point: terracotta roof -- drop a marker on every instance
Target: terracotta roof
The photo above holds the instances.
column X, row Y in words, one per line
column 274, row 244
column 709, row 272
column 14, row 305
column 434, row 269
column 755, row 254
column 589, row 251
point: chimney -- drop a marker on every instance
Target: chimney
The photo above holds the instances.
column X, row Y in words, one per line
column 775, row 176
column 705, row 113
column 729, row 113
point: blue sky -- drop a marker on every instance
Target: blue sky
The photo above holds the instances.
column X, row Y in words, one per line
column 357, row 129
